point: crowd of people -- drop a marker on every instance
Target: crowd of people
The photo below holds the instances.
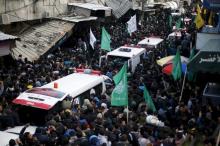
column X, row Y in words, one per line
column 95, row 122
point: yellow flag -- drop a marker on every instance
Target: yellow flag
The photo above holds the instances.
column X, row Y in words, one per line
column 199, row 21
column 198, row 9
column 204, row 11
column 210, row 18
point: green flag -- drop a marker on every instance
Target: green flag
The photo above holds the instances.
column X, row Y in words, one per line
column 191, row 76
column 149, row 100
column 178, row 23
column 119, row 96
column 177, row 66
column 170, row 21
column 105, row 40
column 192, row 54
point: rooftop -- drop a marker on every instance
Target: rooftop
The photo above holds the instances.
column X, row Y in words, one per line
column 38, row 39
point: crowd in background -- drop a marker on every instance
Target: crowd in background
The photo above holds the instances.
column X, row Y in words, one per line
column 95, row 122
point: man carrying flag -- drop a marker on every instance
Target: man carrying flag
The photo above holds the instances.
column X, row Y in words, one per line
column 149, row 100
column 177, row 66
column 105, row 40
column 119, row 96
column 92, row 39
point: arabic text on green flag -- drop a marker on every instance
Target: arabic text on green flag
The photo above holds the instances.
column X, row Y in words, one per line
column 105, row 40
column 177, row 66
column 119, row 96
column 149, row 100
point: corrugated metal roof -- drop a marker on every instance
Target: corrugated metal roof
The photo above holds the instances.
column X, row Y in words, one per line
column 4, row 37
column 38, row 39
column 119, row 7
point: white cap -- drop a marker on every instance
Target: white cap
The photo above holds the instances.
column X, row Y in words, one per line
column 99, row 115
column 104, row 105
column 76, row 101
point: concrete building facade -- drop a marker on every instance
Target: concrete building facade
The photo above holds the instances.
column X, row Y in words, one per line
column 24, row 10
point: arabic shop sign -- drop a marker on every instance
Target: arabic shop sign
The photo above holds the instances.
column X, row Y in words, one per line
column 211, row 58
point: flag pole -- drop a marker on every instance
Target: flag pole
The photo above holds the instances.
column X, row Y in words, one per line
column 100, row 59
column 218, row 138
column 127, row 114
column 184, row 80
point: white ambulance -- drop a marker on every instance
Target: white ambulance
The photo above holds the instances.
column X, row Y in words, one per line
column 130, row 54
column 73, row 85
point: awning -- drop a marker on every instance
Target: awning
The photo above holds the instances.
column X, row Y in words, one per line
column 77, row 19
column 148, row 6
column 207, row 59
column 173, row 5
column 38, row 39
column 6, row 43
column 86, row 8
column 119, row 7
column 6, row 37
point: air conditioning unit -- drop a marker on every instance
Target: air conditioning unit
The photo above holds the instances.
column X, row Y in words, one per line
column 5, row 19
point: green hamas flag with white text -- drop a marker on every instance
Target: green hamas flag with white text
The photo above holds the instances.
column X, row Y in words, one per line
column 149, row 100
column 177, row 66
column 119, row 96
column 105, row 40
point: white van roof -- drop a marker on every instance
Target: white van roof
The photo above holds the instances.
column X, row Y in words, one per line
column 6, row 137
column 17, row 129
column 45, row 97
column 76, row 83
column 151, row 41
column 134, row 51
column 13, row 133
